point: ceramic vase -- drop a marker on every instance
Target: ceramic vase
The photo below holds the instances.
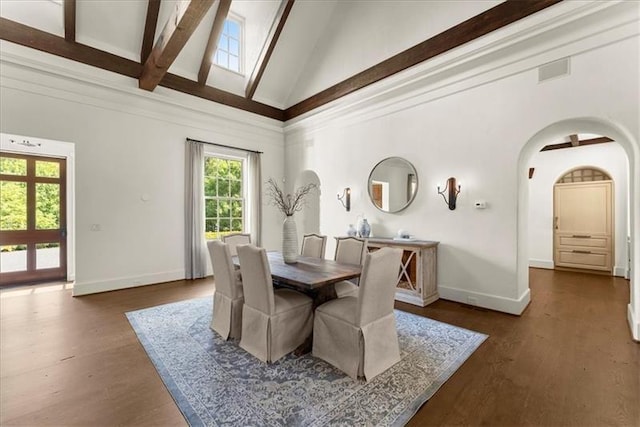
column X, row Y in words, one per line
column 289, row 241
column 351, row 231
column 364, row 229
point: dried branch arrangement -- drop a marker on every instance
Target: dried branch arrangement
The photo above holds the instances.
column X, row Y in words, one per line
column 288, row 204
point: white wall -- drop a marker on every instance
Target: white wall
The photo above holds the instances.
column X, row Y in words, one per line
column 549, row 167
column 471, row 123
column 127, row 143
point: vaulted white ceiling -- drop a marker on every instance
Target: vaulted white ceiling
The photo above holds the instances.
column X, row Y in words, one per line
column 322, row 43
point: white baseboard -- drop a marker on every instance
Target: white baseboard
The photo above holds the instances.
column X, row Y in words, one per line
column 546, row 264
column 493, row 302
column 541, row 263
column 126, row 282
column 620, row 272
column 634, row 323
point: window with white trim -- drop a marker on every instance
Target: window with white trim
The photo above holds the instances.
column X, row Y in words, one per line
column 224, row 196
column 229, row 52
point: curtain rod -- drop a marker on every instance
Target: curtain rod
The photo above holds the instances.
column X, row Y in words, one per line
column 225, row 146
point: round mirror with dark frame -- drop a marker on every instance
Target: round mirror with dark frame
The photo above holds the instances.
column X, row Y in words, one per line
column 393, row 184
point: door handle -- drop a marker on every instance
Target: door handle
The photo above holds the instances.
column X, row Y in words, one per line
column 580, row 236
column 580, row 252
column 555, row 222
column 63, row 232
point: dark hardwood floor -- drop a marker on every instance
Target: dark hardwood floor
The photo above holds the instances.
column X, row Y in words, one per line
column 568, row 360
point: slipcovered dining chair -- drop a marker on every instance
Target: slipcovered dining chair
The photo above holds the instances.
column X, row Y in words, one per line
column 313, row 245
column 358, row 335
column 349, row 250
column 228, row 297
column 233, row 240
column 274, row 323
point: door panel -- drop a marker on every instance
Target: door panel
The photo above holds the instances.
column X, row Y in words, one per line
column 585, row 241
column 32, row 219
column 584, row 208
column 583, row 230
column 584, row 259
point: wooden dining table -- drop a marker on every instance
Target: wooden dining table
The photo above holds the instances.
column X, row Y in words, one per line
column 315, row 277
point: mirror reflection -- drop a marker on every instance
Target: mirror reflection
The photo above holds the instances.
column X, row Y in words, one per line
column 393, row 184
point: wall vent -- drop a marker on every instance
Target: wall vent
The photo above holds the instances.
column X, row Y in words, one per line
column 554, row 69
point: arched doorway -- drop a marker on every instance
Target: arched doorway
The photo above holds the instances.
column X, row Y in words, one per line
column 309, row 218
column 551, row 134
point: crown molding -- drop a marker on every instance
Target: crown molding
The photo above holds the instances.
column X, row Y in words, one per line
column 45, row 74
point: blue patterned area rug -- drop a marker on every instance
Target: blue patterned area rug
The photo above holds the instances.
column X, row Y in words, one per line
column 215, row 382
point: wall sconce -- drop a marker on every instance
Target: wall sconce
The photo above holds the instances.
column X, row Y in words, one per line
column 453, row 193
column 345, row 199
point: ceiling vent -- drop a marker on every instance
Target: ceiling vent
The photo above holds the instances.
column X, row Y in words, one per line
column 553, row 70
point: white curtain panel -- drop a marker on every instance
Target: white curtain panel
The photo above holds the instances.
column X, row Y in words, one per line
column 195, row 245
column 255, row 197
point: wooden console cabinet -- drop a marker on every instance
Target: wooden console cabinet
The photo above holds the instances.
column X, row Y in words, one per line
column 417, row 278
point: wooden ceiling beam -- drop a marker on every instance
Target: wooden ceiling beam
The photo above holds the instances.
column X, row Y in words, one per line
column 21, row 34
column 46, row 42
column 599, row 140
column 579, row 143
column 490, row 20
column 153, row 10
column 212, row 44
column 179, row 27
column 269, row 46
column 556, row 146
column 69, row 7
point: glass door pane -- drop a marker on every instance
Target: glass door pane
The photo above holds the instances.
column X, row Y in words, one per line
column 47, row 169
column 13, row 205
column 47, row 206
column 47, row 255
column 13, row 166
column 13, row 258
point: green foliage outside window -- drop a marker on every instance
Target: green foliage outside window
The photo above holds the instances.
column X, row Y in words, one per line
column 13, row 205
column 47, row 206
column 13, row 197
column 224, row 202
column 11, row 166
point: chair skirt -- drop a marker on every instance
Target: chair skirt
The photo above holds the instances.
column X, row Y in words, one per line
column 358, row 351
column 227, row 316
column 271, row 337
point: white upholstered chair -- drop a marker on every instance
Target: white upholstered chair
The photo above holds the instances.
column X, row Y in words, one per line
column 313, row 245
column 274, row 323
column 233, row 240
column 228, row 297
column 349, row 250
column 358, row 334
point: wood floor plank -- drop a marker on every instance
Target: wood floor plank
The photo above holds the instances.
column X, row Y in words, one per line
column 567, row 360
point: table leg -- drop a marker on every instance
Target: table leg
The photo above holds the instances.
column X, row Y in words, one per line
column 322, row 295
